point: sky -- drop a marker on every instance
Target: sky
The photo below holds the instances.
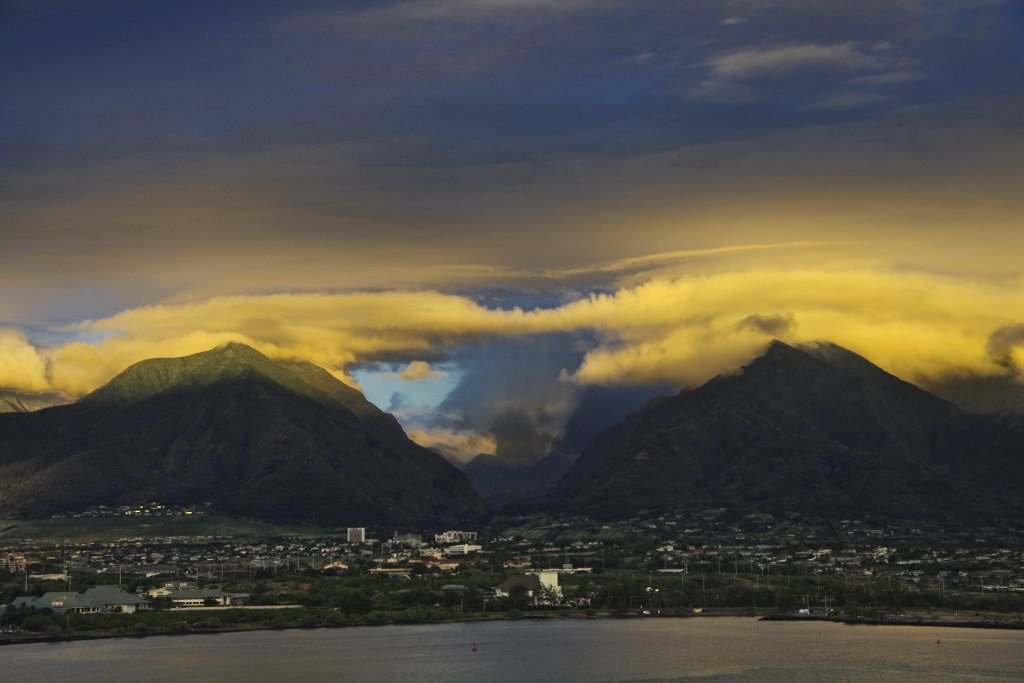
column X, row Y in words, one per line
column 486, row 213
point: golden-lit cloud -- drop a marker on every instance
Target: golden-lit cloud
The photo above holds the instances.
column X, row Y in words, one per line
column 455, row 445
column 22, row 367
column 682, row 327
column 418, row 371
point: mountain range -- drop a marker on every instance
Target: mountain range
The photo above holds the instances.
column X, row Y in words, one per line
column 812, row 429
column 815, row 429
column 255, row 437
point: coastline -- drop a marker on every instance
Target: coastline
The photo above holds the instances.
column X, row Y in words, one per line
column 863, row 621
column 12, row 640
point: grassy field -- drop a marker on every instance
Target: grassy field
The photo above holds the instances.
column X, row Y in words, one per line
column 110, row 528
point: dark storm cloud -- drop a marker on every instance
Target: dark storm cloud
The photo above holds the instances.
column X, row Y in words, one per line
column 166, row 153
column 515, row 390
column 1003, row 341
column 512, row 389
column 774, row 325
column 460, row 131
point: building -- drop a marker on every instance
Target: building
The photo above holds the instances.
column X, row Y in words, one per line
column 549, row 580
column 356, row 535
column 462, row 549
column 199, row 597
column 541, row 587
column 528, row 581
column 519, row 562
column 454, row 536
column 15, row 564
column 407, row 540
column 336, row 566
column 96, row 599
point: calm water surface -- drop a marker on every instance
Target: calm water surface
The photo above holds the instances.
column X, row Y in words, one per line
column 713, row 649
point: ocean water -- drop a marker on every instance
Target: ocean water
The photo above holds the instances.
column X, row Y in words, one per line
column 705, row 649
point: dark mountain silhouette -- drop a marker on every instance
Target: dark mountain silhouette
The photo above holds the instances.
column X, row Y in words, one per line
column 601, row 407
column 503, row 479
column 982, row 394
column 816, row 429
column 256, row 437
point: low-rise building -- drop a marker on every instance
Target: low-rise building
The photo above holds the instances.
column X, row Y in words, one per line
column 199, row 597
column 15, row 564
column 462, row 549
column 336, row 566
column 407, row 540
column 96, row 599
column 541, row 587
column 454, row 536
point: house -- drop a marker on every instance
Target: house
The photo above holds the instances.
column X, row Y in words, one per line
column 519, row 562
column 96, row 599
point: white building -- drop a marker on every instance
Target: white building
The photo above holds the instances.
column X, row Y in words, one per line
column 540, row 586
column 462, row 549
column 548, row 579
column 356, row 535
column 454, row 536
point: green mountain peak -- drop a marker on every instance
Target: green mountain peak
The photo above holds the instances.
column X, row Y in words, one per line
column 231, row 361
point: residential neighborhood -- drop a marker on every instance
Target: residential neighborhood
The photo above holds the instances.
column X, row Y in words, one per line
column 697, row 563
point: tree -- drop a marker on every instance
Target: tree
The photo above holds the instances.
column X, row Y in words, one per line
column 519, row 597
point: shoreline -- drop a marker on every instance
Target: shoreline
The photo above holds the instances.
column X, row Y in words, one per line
column 12, row 640
column 903, row 621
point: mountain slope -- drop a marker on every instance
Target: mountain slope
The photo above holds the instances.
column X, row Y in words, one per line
column 999, row 394
column 23, row 402
column 510, row 478
column 256, row 437
column 816, row 429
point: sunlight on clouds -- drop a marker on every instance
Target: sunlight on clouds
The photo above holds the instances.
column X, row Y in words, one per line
column 21, row 365
column 455, row 445
column 913, row 324
column 418, row 371
column 680, row 328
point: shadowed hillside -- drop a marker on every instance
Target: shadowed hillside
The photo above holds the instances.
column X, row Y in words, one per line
column 815, row 429
column 256, row 437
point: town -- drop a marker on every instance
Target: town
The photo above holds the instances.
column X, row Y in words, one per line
column 697, row 563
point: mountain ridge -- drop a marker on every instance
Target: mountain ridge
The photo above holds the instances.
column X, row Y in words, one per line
column 262, row 438
column 817, row 430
